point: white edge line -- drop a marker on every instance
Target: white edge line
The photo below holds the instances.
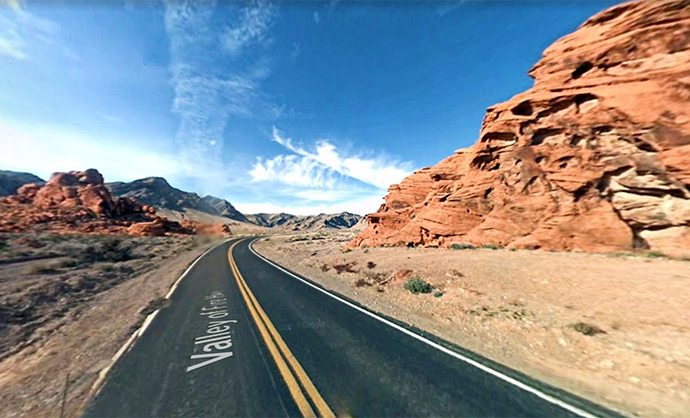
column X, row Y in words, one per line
column 457, row 355
column 95, row 388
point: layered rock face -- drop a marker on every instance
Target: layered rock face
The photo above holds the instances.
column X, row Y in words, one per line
column 594, row 157
column 79, row 202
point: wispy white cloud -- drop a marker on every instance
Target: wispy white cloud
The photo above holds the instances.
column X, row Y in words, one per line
column 205, row 97
column 293, row 170
column 326, row 179
column 317, row 17
column 251, row 29
column 379, row 172
column 20, row 31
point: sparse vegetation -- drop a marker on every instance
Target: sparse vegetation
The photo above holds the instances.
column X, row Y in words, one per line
column 111, row 250
column 438, row 294
column 418, row 285
column 586, row 329
column 371, row 265
column 492, row 247
column 43, row 268
column 462, row 246
column 107, row 267
column 362, row 283
column 345, row 267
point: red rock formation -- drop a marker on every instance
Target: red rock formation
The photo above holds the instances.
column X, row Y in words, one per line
column 79, row 202
column 595, row 156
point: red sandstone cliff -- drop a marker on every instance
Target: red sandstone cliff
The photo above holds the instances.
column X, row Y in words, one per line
column 595, row 156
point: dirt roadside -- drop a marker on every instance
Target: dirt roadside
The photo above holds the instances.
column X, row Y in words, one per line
column 89, row 330
column 612, row 329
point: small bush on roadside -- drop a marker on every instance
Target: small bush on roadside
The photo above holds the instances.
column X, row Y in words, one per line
column 111, row 250
column 462, row 246
column 325, row 267
column 587, row 329
column 492, row 247
column 438, row 294
column 371, row 265
column 347, row 267
column 107, row 267
column 418, row 285
column 43, row 268
column 362, row 283
column 68, row 263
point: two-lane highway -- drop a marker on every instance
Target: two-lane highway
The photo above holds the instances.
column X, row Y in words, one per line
column 243, row 337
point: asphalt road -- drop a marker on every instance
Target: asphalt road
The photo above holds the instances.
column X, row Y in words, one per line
column 245, row 338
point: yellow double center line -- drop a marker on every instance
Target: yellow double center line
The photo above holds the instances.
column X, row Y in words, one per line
column 280, row 352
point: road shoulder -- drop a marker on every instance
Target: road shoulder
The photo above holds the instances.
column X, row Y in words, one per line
column 34, row 380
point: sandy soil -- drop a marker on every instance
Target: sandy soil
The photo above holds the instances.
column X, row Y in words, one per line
column 521, row 309
column 65, row 317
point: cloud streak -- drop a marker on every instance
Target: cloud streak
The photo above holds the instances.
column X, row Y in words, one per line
column 327, row 176
column 205, row 97
column 378, row 172
column 251, row 29
column 21, row 31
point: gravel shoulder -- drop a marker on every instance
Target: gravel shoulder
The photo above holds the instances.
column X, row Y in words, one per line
column 614, row 329
column 65, row 317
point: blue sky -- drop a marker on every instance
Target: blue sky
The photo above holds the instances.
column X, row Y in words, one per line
column 299, row 107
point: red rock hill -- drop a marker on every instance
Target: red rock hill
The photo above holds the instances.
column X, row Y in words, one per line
column 79, row 202
column 595, row 156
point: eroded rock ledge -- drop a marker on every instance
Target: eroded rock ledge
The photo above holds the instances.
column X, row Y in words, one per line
column 594, row 157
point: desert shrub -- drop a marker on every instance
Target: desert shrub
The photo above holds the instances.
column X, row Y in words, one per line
column 418, row 285
column 366, row 251
column 347, row 267
column 371, row 265
column 655, row 254
column 111, row 250
column 362, row 283
column 364, row 247
column 68, row 262
column 587, row 329
column 462, row 246
column 325, row 267
column 491, row 247
column 42, row 268
column 438, row 294
column 107, row 267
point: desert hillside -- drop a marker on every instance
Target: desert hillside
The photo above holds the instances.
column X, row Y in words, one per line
column 157, row 192
column 11, row 181
column 594, row 157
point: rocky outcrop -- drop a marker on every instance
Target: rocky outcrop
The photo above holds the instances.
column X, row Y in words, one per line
column 79, row 202
column 594, row 157
column 11, row 181
column 344, row 220
column 157, row 192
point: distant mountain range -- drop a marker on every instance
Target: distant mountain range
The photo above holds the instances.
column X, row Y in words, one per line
column 344, row 220
column 10, row 181
column 157, row 192
column 176, row 204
